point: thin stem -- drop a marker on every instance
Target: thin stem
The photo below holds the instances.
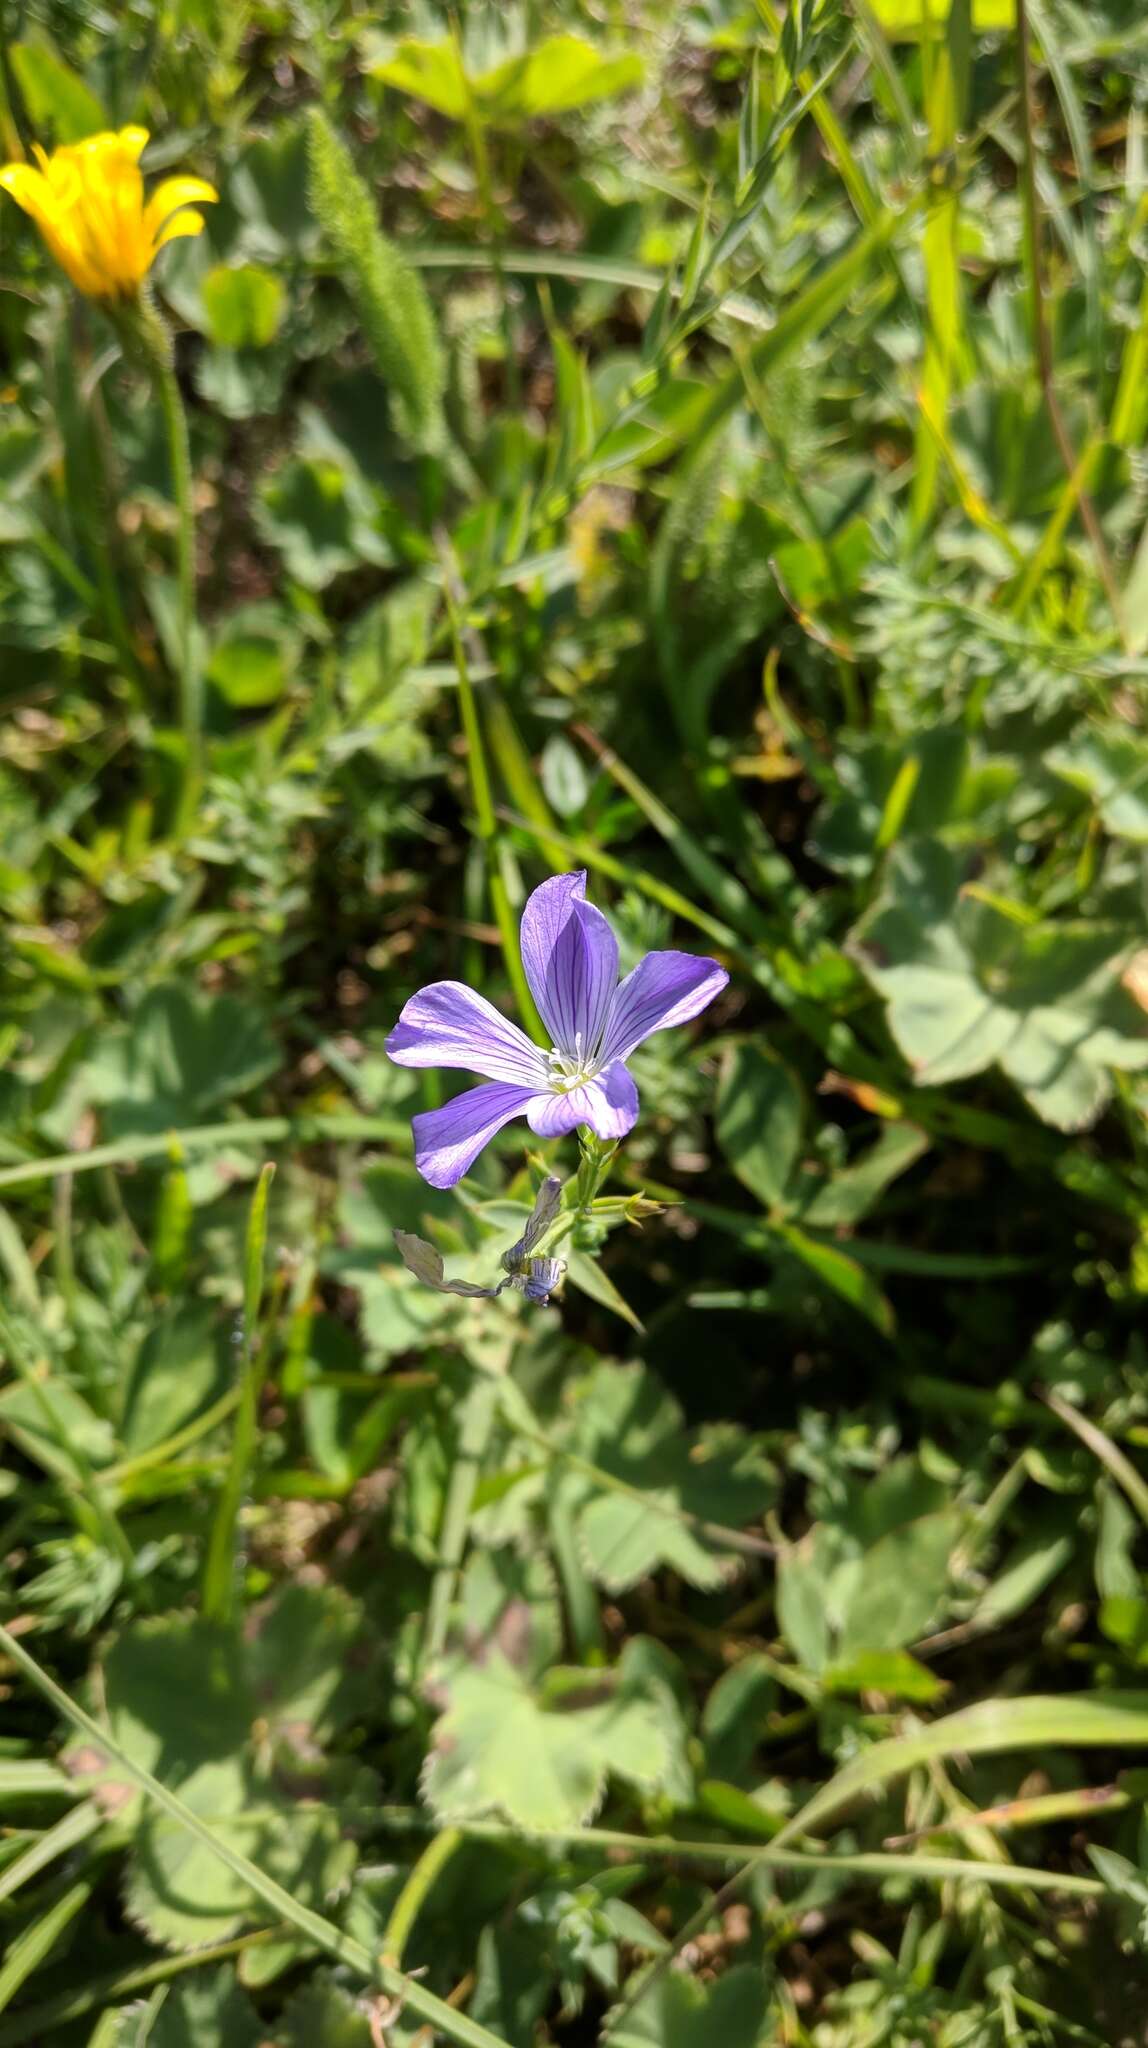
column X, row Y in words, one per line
column 416, row 1890
column 86, row 482
column 169, row 1449
column 1122, row 1469
column 151, row 334
column 66, row 1834
column 478, row 1415
column 455, row 2026
column 220, row 1573
column 495, row 226
column 486, row 827
column 35, row 2022
column 93, row 1512
column 207, row 1138
column 63, row 1253
column 713, row 1532
column 581, row 1602
column 1042, row 340
column 476, row 753
column 63, row 566
column 599, row 1841
column 35, row 1943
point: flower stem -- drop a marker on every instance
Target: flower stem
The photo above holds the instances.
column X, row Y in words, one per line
column 477, row 1422
column 593, row 1167
column 413, row 1896
column 485, row 825
column 151, row 334
column 220, row 1577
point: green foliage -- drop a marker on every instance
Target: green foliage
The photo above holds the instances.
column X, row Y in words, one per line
column 673, row 491
column 558, row 75
column 180, row 1060
column 972, row 980
column 872, row 1579
column 540, row 1755
column 226, row 1722
column 680, row 2013
column 760, row 1113
column 207, row 2008
column 244, row 306
column 631, row 1430
column 60, row 103
column 1110, row 767
column 323, row 2011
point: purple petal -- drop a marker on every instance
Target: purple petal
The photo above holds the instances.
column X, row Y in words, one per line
column 609, row 1104
column 449, row 1140
column 448, row 1025
column 663, row 989
column 551, row 1116
column 571, row 960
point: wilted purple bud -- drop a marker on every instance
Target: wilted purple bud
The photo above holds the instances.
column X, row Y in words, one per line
column 546, row 1206
column 421, row 1259
column 542, row 1279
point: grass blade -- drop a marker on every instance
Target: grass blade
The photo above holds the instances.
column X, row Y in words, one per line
column 74, row 1828
column 455, row 2026
column 220, row 1579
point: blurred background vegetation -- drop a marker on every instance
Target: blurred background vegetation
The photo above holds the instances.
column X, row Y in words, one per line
column 705, row 445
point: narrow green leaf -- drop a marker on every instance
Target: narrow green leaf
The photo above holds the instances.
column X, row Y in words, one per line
column 454, row 2025
column 842, row 1274
column 67, row 1834
column 35, row 1943
column 586, row 1274
column 220, row 1579
column 1115, row 1720
column 255, row 1253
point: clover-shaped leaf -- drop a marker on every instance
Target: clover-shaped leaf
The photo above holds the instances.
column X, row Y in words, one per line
column 679, row 2011
column 541, row 1753
column 324, row 2013
column 670, row 1484
column 318, row 514
column 1110, row 767
column 233, row 1723
column 180, row 1057
column 873, row 1579
column 181, row 1894
column 207, row 2007
column 972, row 983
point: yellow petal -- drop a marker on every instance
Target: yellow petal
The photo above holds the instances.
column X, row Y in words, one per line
column 27, row 187
column 87, row 200
column 73, row 259
column 173, row 193
column 125, row 142
column 186, row 223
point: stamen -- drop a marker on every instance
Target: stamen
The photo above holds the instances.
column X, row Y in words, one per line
column 567, row 1070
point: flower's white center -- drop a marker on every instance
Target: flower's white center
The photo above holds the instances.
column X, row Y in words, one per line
column 567, row 1070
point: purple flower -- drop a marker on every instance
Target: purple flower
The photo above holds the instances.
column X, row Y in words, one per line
column 571, row 960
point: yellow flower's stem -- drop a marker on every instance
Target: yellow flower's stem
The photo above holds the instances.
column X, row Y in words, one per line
column 149, row 330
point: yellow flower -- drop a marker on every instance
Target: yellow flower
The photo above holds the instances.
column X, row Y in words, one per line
column 87, row 199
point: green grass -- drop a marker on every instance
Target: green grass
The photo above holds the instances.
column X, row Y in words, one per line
column 707, row 447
